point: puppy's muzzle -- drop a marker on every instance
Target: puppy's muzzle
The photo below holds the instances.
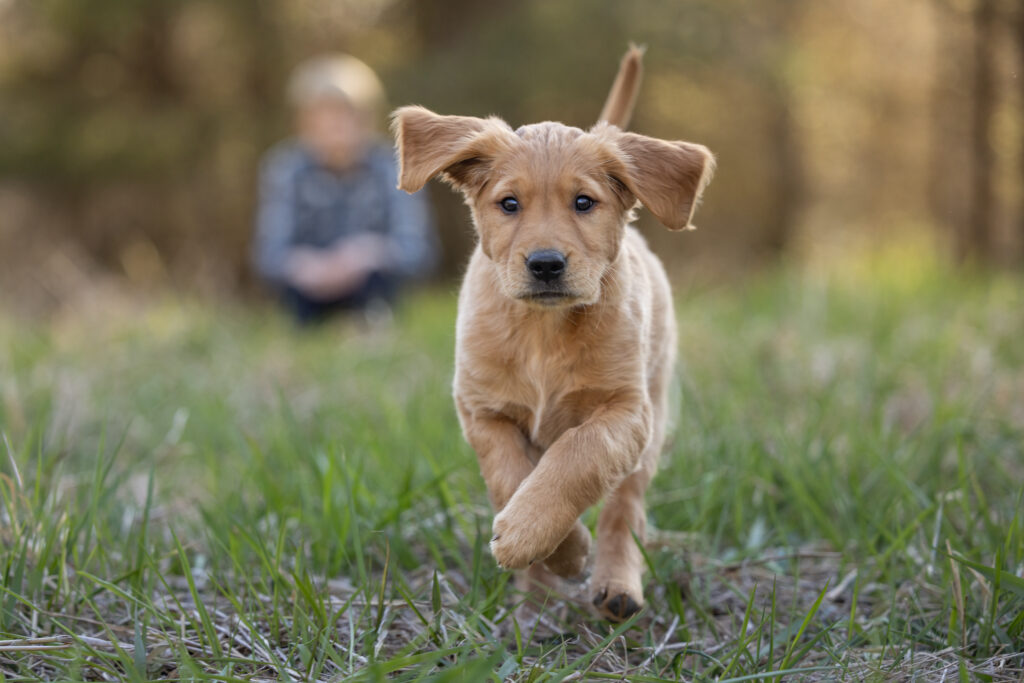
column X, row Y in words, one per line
column 546, row 265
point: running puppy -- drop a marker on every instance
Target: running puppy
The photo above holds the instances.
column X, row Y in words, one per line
column 566, row 334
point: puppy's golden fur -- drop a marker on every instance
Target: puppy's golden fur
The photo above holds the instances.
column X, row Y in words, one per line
column 561, row 386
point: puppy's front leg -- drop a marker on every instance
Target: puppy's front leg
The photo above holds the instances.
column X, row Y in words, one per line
column 504, row 456
column 501, row 449
column 575, row 473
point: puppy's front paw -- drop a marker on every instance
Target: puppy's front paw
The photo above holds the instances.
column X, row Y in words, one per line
column 615, row 600
column 521, row 540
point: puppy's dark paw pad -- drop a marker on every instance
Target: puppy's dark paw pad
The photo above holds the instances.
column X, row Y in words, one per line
column 616, row 604
column 621, row 607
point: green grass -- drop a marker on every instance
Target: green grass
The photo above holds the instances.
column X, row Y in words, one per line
column 190, row 490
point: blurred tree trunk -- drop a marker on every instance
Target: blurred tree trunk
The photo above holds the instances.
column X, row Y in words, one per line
column 153, row 50
column 948, row 153
column 770, row 64
column 266, row 55
column 440, row 22
column 1020, row 115
column 787, row 152
column 782, row 214
column 976, row 238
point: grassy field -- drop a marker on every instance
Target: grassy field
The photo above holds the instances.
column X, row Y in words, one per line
column 191, row 490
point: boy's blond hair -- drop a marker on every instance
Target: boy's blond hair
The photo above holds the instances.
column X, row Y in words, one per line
column 337, row 76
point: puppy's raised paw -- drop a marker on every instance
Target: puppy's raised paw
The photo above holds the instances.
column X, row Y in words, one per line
column 520, row 540
column 514, row 546
column 616, row 602
column 509, row 554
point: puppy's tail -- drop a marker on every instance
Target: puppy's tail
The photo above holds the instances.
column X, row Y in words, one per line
column 618, row 108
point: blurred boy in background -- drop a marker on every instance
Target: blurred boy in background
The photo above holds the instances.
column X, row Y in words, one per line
column 332, row 231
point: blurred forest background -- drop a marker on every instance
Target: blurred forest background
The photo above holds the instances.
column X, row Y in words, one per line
column 131, row 130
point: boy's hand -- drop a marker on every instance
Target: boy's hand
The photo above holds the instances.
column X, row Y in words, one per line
column 336, row 271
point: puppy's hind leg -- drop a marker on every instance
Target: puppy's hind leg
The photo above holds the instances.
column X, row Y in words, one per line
column 570, row 557
column 616, row 588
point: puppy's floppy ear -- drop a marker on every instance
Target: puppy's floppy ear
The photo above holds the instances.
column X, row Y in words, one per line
column 667, row 177
column 455, row 147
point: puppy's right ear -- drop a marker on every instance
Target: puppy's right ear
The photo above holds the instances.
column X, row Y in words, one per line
column 458, row 148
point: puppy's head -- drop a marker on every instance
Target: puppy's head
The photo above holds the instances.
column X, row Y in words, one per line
column 550, row 202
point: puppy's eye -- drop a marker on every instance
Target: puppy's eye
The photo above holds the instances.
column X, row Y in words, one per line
column 509, row 205
column 584, row 203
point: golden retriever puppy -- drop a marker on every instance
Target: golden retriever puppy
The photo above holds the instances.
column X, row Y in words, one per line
column 566, row 334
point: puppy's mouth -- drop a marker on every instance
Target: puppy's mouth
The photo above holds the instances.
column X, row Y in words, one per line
column 548, row 297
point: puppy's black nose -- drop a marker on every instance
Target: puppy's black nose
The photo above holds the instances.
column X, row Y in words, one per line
column 546, row 264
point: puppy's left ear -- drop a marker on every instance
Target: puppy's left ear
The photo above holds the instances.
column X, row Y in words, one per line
column 667, row 177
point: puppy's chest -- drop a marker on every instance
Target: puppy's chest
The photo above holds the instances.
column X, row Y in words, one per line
column 545, row 390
